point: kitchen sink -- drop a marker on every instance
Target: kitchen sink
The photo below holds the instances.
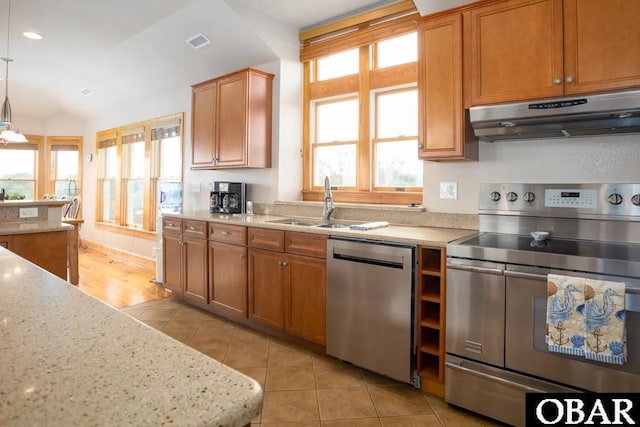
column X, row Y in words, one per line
column 333, row 226
column 295, row 222
column 302, row 223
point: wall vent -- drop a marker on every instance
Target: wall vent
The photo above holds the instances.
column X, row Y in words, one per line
column 198, row 41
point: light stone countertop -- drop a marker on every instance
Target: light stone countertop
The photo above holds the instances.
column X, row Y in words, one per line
column 26, row 227
column 67, row 358
column 427, row 236
column 27, row 203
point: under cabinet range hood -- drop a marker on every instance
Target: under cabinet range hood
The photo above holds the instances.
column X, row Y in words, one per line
column 601, row 114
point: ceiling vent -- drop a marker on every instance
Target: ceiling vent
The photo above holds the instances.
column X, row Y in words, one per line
column 198, row 41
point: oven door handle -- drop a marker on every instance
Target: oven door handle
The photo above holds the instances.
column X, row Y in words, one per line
column 474, row 269
column 522, row 275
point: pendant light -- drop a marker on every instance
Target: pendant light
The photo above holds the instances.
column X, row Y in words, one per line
column 8, row 135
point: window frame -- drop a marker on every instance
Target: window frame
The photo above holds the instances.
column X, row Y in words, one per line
column 39, row 166
column 51, row 176
column 149, row 216
column 387, row 23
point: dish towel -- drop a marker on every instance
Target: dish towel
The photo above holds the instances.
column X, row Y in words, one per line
column 565, row 322
column 605, row 331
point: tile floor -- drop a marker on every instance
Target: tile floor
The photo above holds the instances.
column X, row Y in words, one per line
column 302, row 388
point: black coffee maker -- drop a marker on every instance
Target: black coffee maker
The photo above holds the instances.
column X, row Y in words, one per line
column 228, row 197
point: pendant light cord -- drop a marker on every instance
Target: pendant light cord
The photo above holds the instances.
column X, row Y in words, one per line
column 6, row 59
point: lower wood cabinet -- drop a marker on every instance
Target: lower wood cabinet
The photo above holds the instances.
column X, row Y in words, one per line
column 47, row 250
column 228, row 269
column 286, row 285
column 184, row 248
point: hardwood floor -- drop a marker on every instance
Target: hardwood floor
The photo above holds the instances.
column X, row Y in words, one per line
column 115, row 281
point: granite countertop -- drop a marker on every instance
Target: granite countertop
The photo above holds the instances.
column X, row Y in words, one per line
column 427, row 236
column 67, row 358
column 26, row 227
column 27, row 203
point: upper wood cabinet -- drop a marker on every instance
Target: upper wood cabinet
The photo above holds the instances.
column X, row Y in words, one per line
column 231, row 121
column 443, row 133
column 530, row 49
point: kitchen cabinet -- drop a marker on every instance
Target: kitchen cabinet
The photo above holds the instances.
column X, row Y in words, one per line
column 47, row 250
column 231, row 121
column 184, row 249
column 432, row 263
column 287, row 280
column 228, row 269
column 444, row 134
column 530, row 49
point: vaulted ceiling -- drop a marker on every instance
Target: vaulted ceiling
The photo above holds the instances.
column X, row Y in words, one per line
column 126, row 50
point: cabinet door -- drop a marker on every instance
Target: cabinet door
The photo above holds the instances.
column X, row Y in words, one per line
column 203, row 110
column 305, row 306
column 172, row 262
column 47, row 250
column 266, row 276
column 602, row 45
column 228, row 278
column 516, row 51
column 231, row 120
column 441, row 114
column 195, row 268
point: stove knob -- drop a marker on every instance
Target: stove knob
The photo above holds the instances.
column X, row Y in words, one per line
column 615, row 199
column 529, row 197
column 511, row 196
column 494, row 196
column 636, row 199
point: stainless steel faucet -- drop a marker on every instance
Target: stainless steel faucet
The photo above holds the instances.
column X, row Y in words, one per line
column 327, row 208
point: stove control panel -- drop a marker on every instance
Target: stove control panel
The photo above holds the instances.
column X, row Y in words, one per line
column 570, row 198
column 562, row 200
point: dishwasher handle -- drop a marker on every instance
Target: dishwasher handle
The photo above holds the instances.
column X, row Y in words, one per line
column 365, row 260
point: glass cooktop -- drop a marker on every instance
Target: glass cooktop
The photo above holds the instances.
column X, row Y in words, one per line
column 581, row 248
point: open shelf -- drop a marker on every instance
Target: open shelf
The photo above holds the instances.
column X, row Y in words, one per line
column 431, row 316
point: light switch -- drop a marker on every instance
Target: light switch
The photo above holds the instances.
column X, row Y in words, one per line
column 449, row 190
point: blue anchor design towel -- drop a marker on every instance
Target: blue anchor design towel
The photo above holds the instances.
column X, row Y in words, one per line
column 586, row 317
column 565, row 324
column 605, row 331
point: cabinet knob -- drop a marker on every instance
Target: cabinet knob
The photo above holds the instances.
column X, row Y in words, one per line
column 283, row 263
column 243, row 256
column 569, row 79
column 420, row 145
column 557, row 81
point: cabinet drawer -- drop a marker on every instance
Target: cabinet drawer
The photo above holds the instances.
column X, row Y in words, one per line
column 306, row 244
column 266, row 239
column 233, row 234
column 194, row 228
column 171, row 225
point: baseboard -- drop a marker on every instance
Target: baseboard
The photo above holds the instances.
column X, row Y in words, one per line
column 127, row 256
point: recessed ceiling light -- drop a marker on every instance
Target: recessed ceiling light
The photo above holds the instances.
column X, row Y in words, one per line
column 86, row 92
column 33, row 36
column 198, row 41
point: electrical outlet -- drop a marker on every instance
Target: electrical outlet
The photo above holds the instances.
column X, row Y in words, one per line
column 449, row 190
column 28, row 212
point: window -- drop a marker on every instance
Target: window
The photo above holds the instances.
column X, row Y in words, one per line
column 133, row 162
column 64, row 156
column 361, row 110
column 20, row 169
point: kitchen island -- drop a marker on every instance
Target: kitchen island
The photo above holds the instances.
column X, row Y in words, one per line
column 67, row 358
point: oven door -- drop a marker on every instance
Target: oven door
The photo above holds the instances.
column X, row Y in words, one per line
column 475, row 310
column 525, row 347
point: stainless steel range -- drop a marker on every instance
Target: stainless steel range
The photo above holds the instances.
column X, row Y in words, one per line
column 497, row 292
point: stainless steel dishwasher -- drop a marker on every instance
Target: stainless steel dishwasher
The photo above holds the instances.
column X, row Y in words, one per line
column 370, row 306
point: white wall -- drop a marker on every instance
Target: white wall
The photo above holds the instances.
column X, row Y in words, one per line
column 577, row 160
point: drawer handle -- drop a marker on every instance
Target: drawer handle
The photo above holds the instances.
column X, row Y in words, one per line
column 191, row 227
column 225, row 233
column 170, row 224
